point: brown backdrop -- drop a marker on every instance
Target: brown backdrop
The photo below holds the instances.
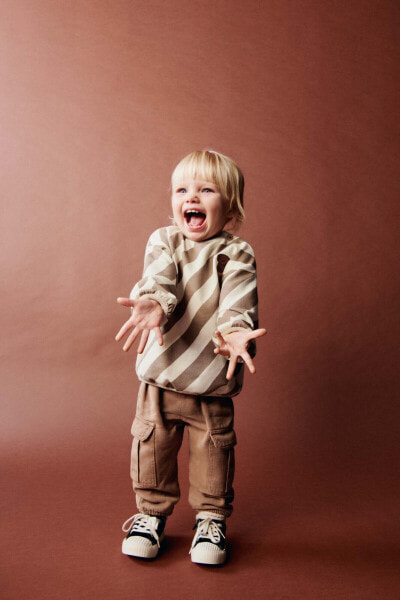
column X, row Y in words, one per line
column 99, row 100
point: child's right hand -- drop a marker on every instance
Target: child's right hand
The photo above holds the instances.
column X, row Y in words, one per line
column 147, row 314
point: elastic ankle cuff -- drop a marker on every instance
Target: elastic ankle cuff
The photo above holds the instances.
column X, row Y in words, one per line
column 153, row 514
column 205, row 514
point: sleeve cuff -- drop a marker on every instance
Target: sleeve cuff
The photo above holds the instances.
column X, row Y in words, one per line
column 225, row 328
column 167, row 302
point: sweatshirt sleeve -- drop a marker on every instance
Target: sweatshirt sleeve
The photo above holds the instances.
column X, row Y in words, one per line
column 238, row 305
column 159, row 274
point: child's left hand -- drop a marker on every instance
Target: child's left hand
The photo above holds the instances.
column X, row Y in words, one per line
column 234, row 345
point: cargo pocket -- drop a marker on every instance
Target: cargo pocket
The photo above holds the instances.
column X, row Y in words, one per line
column 143, row 460
column 221, row 462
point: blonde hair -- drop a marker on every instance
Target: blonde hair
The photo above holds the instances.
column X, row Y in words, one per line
column 217, row 168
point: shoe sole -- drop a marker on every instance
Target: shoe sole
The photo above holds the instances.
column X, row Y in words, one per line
column 139, row 547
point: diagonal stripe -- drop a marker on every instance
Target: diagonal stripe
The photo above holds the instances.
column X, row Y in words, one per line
column 196, row 301
column 234, row 297
column 192, row 352
column 216, row 368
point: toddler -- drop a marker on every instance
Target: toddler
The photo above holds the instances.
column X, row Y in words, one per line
column 195, row 314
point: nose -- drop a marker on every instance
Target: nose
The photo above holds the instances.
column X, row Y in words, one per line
column 193, row 197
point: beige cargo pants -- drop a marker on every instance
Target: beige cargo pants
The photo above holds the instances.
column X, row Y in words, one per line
column 161, row 416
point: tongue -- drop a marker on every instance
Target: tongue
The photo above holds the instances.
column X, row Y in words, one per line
column 196, row 220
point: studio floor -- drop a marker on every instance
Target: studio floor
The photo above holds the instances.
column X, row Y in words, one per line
column 61, row 539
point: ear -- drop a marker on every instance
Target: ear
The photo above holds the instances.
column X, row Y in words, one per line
column 231, row 220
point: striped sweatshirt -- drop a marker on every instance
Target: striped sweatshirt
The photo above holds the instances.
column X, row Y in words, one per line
column 202, row 287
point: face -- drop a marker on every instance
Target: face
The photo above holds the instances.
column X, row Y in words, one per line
column 199, row 209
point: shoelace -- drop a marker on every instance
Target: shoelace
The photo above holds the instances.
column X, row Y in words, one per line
column 142, row 524
column 207, row 528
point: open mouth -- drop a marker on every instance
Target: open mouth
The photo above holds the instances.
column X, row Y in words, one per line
column 194, row 219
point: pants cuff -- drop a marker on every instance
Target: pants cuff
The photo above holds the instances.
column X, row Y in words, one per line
column 153, row 513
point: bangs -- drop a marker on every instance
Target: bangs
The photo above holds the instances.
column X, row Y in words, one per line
column 200, row 165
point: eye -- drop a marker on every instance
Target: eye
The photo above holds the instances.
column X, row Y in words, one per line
column 208, row 190
column 181, row 190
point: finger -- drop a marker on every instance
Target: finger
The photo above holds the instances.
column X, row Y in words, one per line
column 126, row 301
column 220, row 337
column 247, row 359
column 222, row 351
column 231, row 367
column 125, row 327
column 131, row 339
column 143, row 341
column 257, row 333
column 159, row 336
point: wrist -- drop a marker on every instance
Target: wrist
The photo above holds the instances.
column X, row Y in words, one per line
column 167, row 302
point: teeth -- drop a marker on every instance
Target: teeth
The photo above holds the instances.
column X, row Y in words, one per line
column 194, row 212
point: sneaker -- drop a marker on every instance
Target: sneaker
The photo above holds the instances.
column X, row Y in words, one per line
column 209, row 546
column 145, row 534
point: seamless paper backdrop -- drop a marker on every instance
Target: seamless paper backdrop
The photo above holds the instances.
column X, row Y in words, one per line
column 99, row 101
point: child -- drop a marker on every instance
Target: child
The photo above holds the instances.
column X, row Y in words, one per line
column 196, row 312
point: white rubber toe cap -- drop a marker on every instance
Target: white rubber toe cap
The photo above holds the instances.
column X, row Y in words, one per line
column 206, row 553
column 140, row 547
